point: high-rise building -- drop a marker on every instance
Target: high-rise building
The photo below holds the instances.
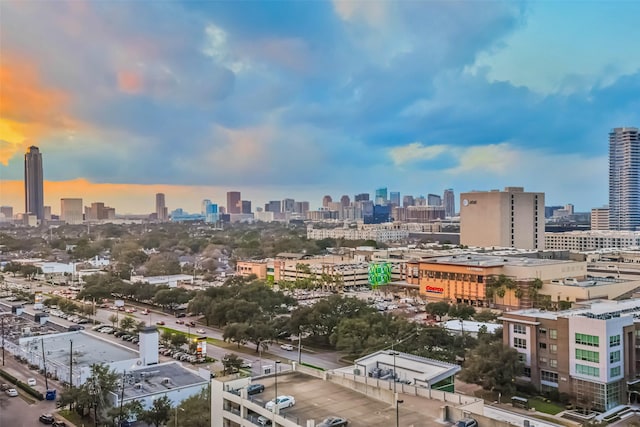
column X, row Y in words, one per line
column 326, row 200
column 509, row 218
column 288, row 205
column 274, row 206
column 234, row 202
column 71, row 211
column 345, row 201
column 7, row 212
column 211, row 215
column 162, row 213
column 408, row 201
column 204, row 206
column 624, row 179
column 301, row 207
column 394, row 198
column 381, row 196
column 600, row 218
column 449, row 201
column 33, row 183
column 98, row 211
column 246, row 206
column 434, row 200
column 46, row 213
column 362, row 197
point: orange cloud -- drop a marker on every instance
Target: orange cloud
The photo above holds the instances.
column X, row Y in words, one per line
column 129, row 82
column 28, row 109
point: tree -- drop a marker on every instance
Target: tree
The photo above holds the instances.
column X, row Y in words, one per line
column 438, row 309
column 178, row 339
column 163, row 264
column 260, row 333
column 493, row 366
column 485, row 316
column 236, row 332
column 94, row 394
column 129, row 410
column 166, row 337
column 172, row 298
column 231, row 363
column 194, row 411
column 159, row 413
column 113, row 319
column 127, row 323
column 461, row 311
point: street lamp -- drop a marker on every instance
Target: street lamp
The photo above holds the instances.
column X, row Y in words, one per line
column 275, row 402
column 175, row 418
column 398, row 402
column 394, row 354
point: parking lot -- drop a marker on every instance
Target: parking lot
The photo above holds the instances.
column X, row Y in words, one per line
column 317, row 399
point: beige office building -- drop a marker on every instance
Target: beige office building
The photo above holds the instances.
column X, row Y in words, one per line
column 71, row 211
column 600, row 218
column 510, row 218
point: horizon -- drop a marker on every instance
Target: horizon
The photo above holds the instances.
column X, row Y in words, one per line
column 298, row 100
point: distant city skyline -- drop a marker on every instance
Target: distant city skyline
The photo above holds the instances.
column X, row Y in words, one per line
column 301, row 99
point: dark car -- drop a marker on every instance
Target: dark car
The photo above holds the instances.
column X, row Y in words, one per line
column 255, row 389
column 467, row 422
column 120, row 334
column 46, row 419
column 334, row 422
column 181, row 315
column 192, row 323
column 59, row 424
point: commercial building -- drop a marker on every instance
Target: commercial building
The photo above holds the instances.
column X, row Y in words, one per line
column 98, row 212
column 33, row 183
column 600, row 218
column 510, row 218
column 434, row 200
column 162, row 213
column 71, row 211
column 624, row 179
column 246, row 207
column 591, row 240
column 449, row 202
column 387, row 232
column 6, row 213
column 234, row 205
column 381, row 196
column 394, row 198
column 590, row 352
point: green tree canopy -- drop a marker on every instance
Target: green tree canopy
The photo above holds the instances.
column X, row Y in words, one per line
column 493, row 366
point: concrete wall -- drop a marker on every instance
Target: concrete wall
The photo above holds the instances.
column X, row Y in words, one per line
column 455, row 414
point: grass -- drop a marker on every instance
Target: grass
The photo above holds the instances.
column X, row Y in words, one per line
column 546, row 407
column 74, row 418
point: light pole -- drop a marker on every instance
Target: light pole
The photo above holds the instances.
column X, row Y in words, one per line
column 175, row 417
column 398, row 402
column 394, row 354
column 2, row 332
column 275, row 401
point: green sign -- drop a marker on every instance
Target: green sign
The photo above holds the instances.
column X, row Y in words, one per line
column 379, row 274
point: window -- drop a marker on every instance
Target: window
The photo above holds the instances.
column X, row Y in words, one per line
column 553, row 363
column 614, row 340
column 615, row 371
column 522, row 357
column 543, row 345
column 587, row 370
column 553, row 348
column 526, row 372
column 614, row 356
column 551, row 377
column 553, row 334
column 542, row 331
column 519, row 329
column 588, row 355
column 590, row 340
column 542, row 360
column 519, row 343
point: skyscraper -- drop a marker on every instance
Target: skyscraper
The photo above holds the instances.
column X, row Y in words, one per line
column 362, row 197
column 71, row 211
column 345, row 201
column 394, row 198
column 246, row 206
column 624, row 179
column 326, row 200
column 161, row 208
column 381, row 196
column 449, row 203
column 234, row 202
column 434, row 200
column 33, row 183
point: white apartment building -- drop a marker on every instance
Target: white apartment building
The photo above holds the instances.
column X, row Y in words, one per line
column 591, row 240
column 388, row 232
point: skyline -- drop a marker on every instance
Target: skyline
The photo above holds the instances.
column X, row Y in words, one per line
column 289, row 99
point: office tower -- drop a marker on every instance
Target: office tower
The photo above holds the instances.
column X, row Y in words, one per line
column 600, row 218
column 33, row 183
column 434, row 200
column 394, row 198
column 408, row 201
column 211, row 215
column 449, row 202
column 362, row 197
column 509, row 218
column 288, row 205
column 7, row 211
column 624, row 179
column 234, row 204
column 301, row 207
column 381, row 196
column 204, row 206
column 98, row 211
column 71, row 211
column 326, row 200
column 162, row 213
column 345, row 201
column 274, row 206
column 420, row 201
column 46, row 213
column 246, row 206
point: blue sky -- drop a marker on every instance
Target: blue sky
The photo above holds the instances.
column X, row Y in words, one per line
column 303, row 99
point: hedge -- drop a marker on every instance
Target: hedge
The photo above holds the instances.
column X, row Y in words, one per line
column 30, row 391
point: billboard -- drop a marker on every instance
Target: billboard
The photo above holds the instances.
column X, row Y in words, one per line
column 379, row 274
column 201, row 347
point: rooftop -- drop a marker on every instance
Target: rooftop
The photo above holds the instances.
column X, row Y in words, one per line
column 602, row 309
column 158, row 379
column 493, row 261
column 428, row 370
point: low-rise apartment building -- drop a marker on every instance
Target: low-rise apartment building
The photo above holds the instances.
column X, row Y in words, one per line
column 590, row 240
column 589, row 352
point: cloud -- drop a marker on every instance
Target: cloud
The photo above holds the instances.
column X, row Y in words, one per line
column 492, row 158
column 415, row 152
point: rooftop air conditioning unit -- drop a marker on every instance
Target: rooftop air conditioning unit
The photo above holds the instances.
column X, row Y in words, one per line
column 137, row 386
column 166, row 380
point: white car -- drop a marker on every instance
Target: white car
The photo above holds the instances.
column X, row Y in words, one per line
column 12, row 392
column 200, row 331
column 31, row 382
column 281, row 401
column 287, row 347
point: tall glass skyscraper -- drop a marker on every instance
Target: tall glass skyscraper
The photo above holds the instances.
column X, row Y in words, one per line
column 33, row 183
column 449, row 203
column 624, row 179
column 381, row 196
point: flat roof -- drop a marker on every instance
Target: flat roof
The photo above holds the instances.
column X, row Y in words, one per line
column 470, row 326
column 159, row 379
column 87, row 349
column 598, row 308
column 477, row 260
column 429, row 370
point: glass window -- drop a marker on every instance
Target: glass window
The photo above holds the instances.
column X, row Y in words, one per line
column 614, row 356
column 614, row 340
column 551, row 377
column 522, row 357
column 553, row 363
column 519, row 343
column 553, row 348
column 590, row 340
column 542, row 331
column 615, row 371
column 553, row 334
column 588, row 355
column 543, row 345
column 519, row 329
column 587, row 370
column 527, row 371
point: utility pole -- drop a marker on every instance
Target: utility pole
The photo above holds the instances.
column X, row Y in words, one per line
column 71, row 363
column 2, row 332
column 44, row 366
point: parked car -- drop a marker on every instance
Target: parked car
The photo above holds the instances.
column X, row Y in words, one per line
column 281, row 401
column 59, row 424
column 31, row 382
column 46, row 419
column 4, row 387
column 467, row 422
column 334, row 422
column 180, row 322
column 12, row 392
column 120, row 334
column 181, row 315
column 255, row 389
column 192, row 323
column 160, row 322
column 200, row 331
column 287, row 347
column 264, row 421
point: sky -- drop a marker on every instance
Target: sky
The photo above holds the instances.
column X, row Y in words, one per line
column 300, row 99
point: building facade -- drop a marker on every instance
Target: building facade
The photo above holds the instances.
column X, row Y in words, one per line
column 510, row 218
column 624, row 179
column 162, row 213
column 588, row 352
column 234, row 204
column 71, row 211
column 591, row 240
column 449, row 201
column 33, row 183
column 600, row 218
